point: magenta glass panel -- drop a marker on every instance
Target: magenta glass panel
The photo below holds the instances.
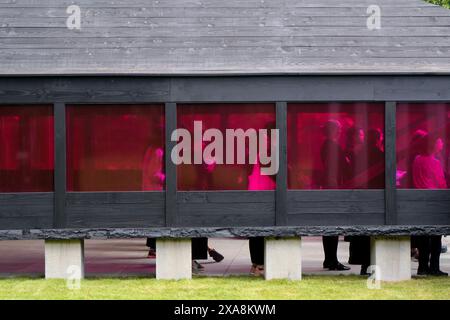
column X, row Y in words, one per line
column 423, row 150
column 225, row 176
column 115, row 147
column 336, row 146
column 26, row 148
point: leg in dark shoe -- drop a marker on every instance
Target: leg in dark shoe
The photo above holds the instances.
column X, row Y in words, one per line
column 151, row 243
column 363, row 271
column 423, row 272
column 423, row 244
column 435, row 252
column 339, row 267
column 330, row 244
column 438, row 273
column 256, row 246
column 151, row 253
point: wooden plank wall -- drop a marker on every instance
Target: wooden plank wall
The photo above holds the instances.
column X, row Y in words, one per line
column 221, row 37
column 115, row 210
column 26, row 210
column 222, row 209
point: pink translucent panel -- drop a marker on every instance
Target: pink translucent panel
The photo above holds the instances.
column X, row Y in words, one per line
column 336, row 146
column 225, row 176
column 115, row 147
column 423, row 145
column 26, row 149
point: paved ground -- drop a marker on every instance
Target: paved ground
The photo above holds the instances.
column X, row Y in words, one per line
column 129, row 257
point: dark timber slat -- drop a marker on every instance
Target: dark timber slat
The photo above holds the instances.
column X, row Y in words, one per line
column 82, row 90
column 26, row 210
column 423, row 207
column 115, row 209
column 99, row 198
column 335, row 207
column 231, row 208
column 281, row 186
column 423, row 195
column 390, row 163
column 59, row 215
column 224, row 89
column 170, row 168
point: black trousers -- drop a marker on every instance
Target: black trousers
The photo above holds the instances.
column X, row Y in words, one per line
column 359, row 250
column 256, row 246
column 330, row 245
column 199, row 247
column 429, row 252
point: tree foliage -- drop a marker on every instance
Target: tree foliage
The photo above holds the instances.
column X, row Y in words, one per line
column 444, row 3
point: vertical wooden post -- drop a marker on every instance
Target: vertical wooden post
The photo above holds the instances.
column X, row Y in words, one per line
column 59, row 211
column 171, row 170
column 281, row 188
column 391, row 163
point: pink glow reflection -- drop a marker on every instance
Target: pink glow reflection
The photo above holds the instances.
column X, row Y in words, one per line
column 215, row 176
column 336, row 146
column 26, row 155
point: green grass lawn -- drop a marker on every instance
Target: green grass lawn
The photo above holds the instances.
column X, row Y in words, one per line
column 311, row 287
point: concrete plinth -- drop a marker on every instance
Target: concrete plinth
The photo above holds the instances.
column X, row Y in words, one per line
column 283, row 258
column 392, row 257
column 173, row 259
column 64, row 259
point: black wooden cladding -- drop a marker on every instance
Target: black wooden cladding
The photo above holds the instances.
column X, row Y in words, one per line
column 26, row 210
column 115, row 209
column 390, row 162
column 324, row 88
column 59, row 213
column 224, row 209
column 171, row 170
column 281, row 188
column 423, row 207
column 335, row 207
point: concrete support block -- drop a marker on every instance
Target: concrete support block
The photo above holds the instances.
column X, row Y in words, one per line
column 283, row 258
column 64, row 259
column 392, row 258
column 173, row 259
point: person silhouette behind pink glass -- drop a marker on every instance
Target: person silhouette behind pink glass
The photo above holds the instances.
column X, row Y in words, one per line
column 335, row 166
column 153, row 176
column 257, row 181
column 153, row 179
column 428, row 173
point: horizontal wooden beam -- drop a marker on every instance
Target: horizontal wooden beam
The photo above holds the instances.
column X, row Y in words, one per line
column 94, row 89
column 223, row 232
